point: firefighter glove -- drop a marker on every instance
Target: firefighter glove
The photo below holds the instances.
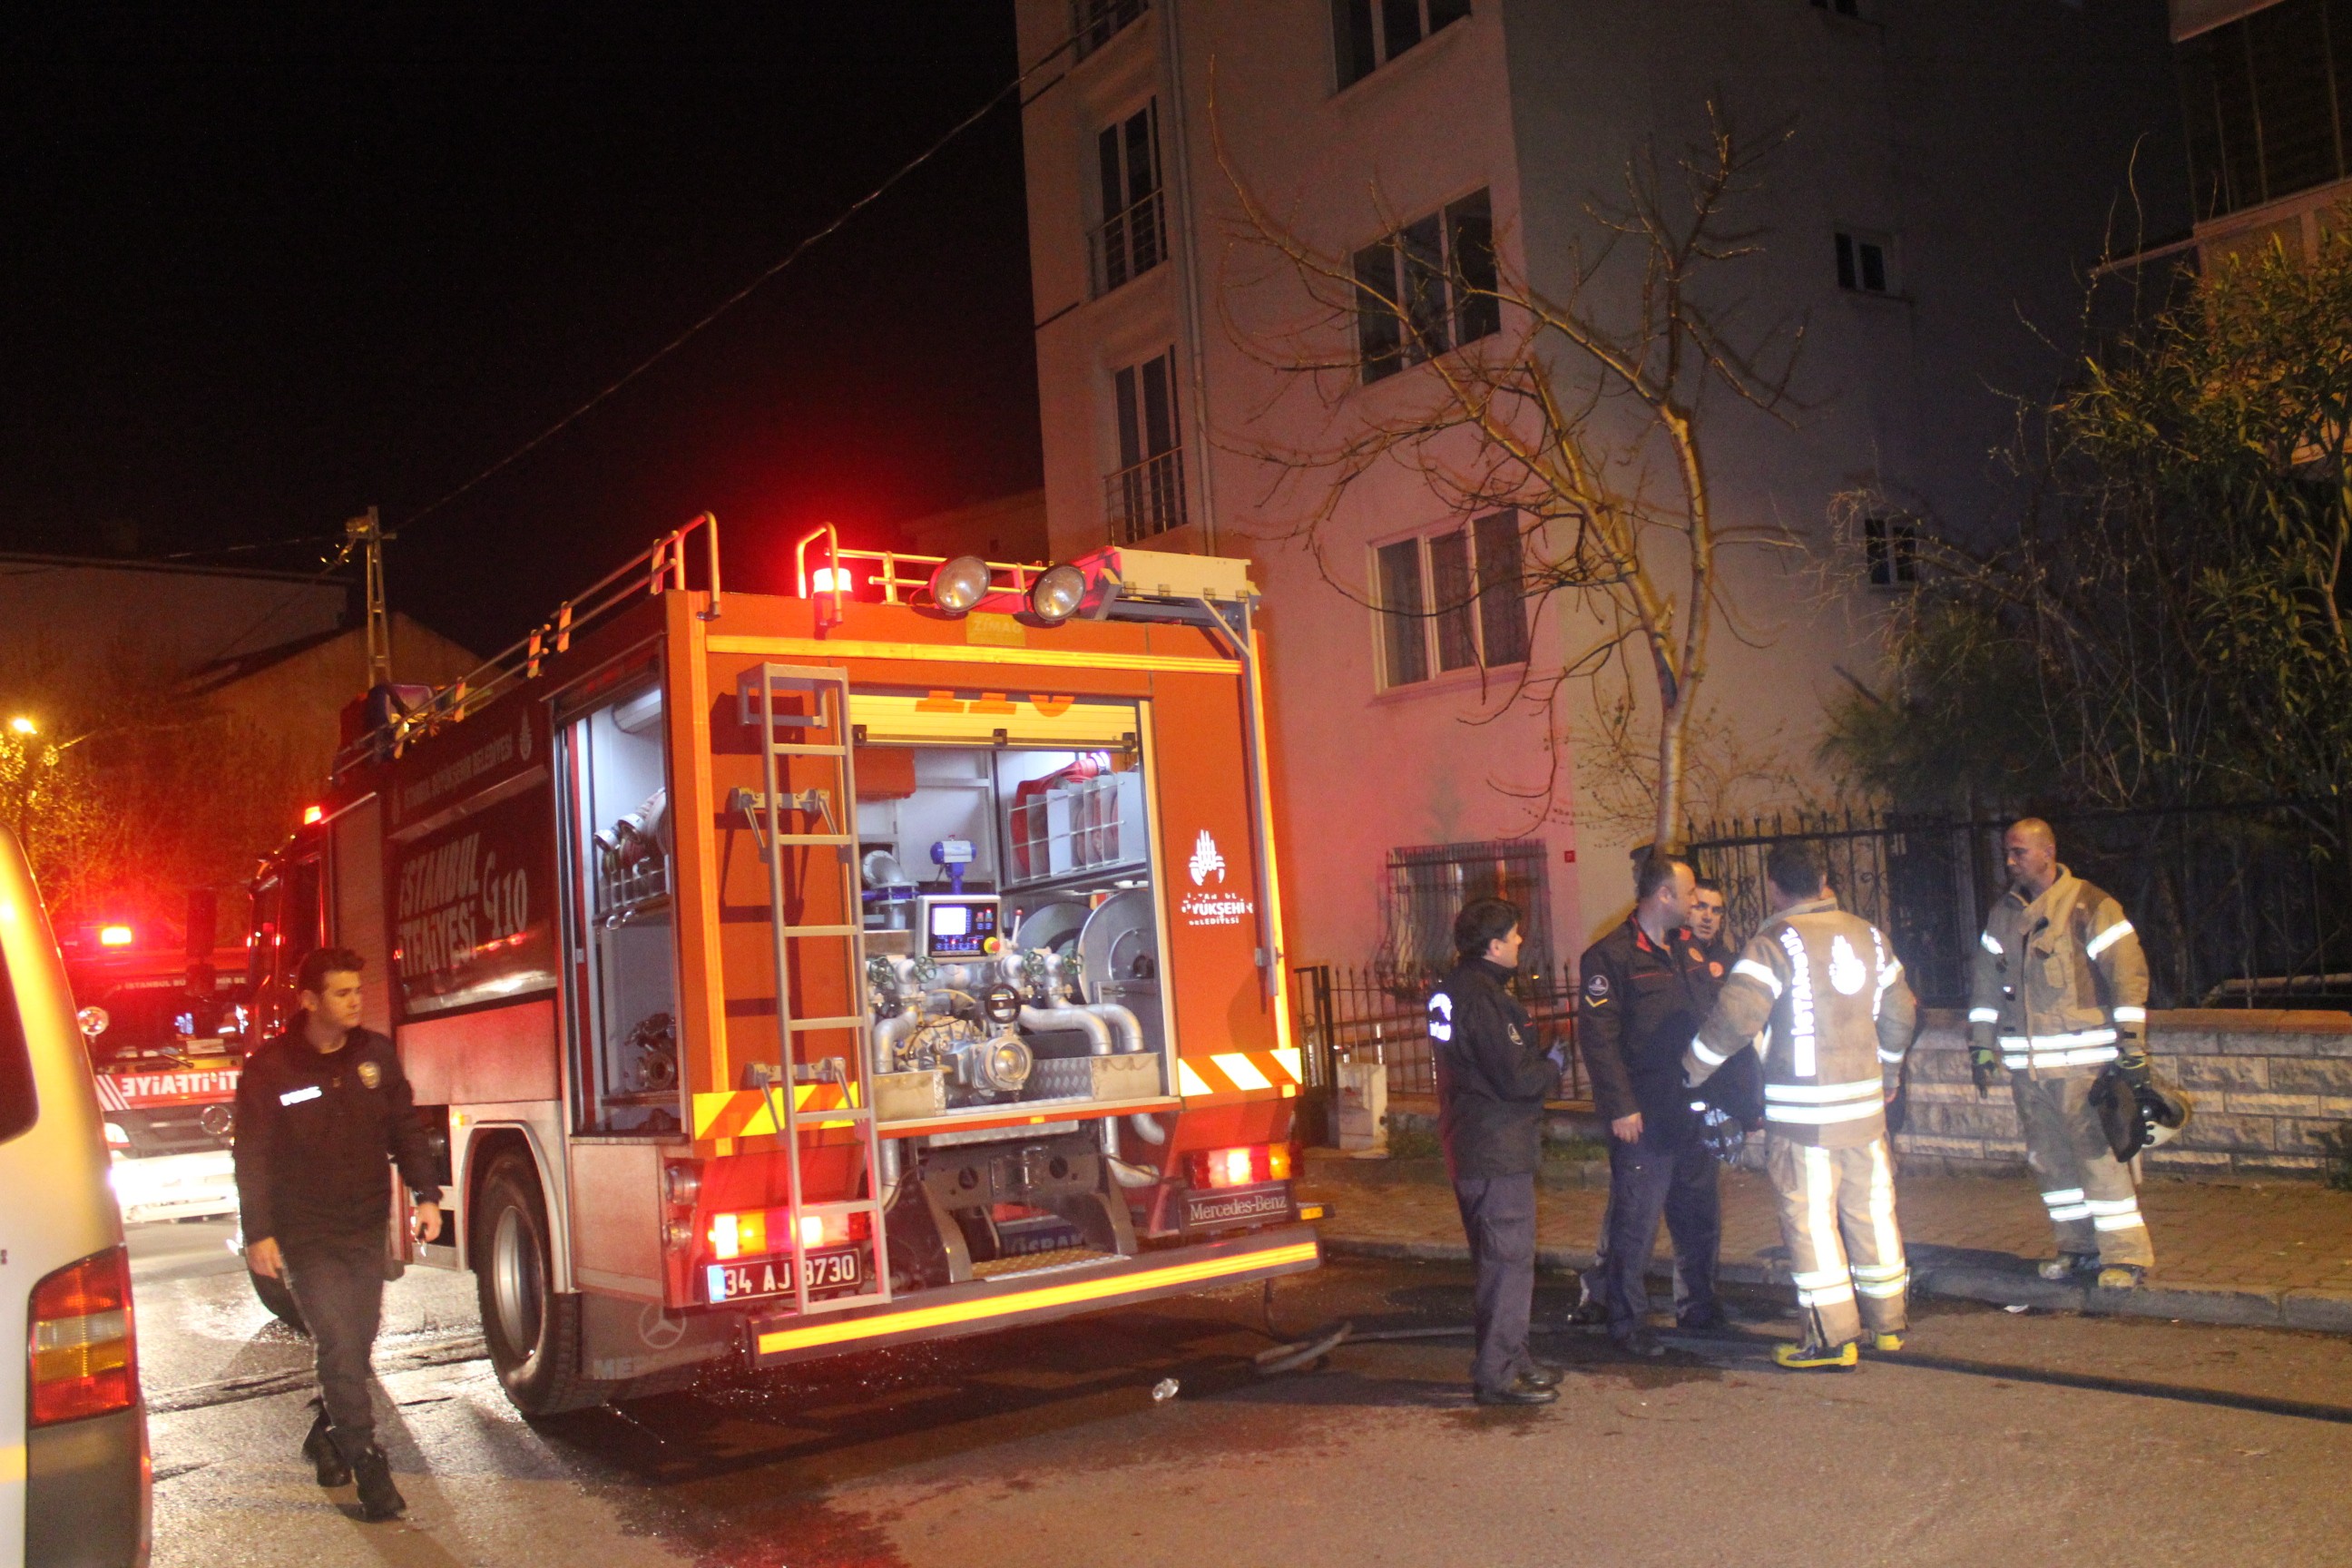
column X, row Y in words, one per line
column 1980, row 1069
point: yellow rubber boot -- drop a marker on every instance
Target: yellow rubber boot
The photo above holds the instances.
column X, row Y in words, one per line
column 1887, row 1344
column 1813, row 1358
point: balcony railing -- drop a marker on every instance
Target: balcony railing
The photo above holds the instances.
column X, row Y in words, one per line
column 1147, row 498
column 1128, row 245
column 1094, row 23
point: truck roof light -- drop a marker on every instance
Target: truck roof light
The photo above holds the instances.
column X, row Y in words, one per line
column 114, row 936
column 957, row 584
column 831, row 579
column 311, row 814
column 1057, row 595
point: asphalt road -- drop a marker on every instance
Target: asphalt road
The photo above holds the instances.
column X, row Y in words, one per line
column 1996, row 1438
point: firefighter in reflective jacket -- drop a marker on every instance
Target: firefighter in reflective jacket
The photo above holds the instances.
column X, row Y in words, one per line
column 1841, row 1018
column 2059, row 990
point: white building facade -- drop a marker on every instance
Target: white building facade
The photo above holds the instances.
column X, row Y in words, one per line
column 1946, row 184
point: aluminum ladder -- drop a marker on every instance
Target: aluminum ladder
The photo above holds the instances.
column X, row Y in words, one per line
column 823, row 732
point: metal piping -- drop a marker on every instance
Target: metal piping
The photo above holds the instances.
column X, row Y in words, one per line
column 1097, row 1031
column 1147, row 1127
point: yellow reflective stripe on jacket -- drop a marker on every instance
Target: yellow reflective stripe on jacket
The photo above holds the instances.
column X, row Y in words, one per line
column 2106, row 939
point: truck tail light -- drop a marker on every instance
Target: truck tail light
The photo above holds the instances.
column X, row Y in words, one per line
column 1241, row 1166
column 749, row 1234
column 116, row 1136
column 114, row 936
column 84, row 1357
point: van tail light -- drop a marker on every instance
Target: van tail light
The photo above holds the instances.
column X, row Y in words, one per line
column 1242, row 1166
column 84, row 1356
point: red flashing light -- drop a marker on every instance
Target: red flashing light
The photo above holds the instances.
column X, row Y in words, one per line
column 84, row 1359
column 831, row 579
column 114, row 936
column 311, row 814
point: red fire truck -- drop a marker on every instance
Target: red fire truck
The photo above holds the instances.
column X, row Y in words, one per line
column 163, row 1013
column 786, row 976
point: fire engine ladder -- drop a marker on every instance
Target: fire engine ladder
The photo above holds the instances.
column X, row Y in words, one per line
column 826, row 814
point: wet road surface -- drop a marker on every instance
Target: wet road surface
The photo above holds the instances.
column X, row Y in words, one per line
column 1996, row 1438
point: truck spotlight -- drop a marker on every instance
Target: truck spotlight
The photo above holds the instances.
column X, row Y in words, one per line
column 957, row 584
column 311, row 814
column 830, row 580
column 1057, row 592
column 93, row 1021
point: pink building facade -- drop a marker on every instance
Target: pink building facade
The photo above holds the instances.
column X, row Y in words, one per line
column 1948, row 173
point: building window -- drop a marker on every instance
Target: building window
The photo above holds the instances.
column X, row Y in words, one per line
column 1133, row 237
column 1146, row 494
column 1429, row 287
column 1367, row 34
column 1429, row 883
column 1865, row 263
column 1449, row 601
column 1094, row 23
column 2267, row 100
column 1891, row 547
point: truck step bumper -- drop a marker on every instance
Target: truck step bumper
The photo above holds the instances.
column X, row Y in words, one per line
column 986, row 1304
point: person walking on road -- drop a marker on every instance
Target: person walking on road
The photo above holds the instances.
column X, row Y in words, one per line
column 1492, row 1081
column 1641, row 993
column 319, row 1111
column 1831, row 990
column 2059, row 991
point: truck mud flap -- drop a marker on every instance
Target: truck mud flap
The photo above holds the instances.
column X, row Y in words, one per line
column 1037, row 1297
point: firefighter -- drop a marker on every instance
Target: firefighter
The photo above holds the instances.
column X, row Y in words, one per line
column 1840, row 1019
column 319, row 1111
column 2059, row 991
column 1492, row 1081
column 1642, row 990
column 1707, row 924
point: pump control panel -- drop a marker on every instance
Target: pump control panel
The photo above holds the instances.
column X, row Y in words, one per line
column 956, row 927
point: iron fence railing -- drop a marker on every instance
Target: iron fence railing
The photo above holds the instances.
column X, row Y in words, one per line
column 1129, row 243
column 1147, row 498
column 1383, row 1013
column 2245, row 905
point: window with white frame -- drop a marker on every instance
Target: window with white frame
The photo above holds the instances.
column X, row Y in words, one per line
column 1367, row 34
column 1094, row 23
column 1428, row 288
column 1865, row 262
column 1132, row 238
column 1145, row 495
column 1890, row 548
column 1451, row 600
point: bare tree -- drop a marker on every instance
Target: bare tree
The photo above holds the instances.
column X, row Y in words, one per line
column 1588, row 413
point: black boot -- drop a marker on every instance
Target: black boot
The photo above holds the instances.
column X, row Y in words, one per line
column 379, row 1499
column 320, row 1449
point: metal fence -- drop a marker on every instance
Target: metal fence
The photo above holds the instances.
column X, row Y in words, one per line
column 2235, row 905
column 1378, row 1013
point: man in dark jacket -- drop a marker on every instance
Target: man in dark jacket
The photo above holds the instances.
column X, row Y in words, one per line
column 319, row 1111
column 1643, row 990
column 1492, row 1081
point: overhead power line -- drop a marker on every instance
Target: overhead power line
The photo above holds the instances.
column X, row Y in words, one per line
column 1008, row 90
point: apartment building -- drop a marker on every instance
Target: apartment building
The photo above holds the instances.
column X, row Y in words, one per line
column 2266, row 99
column 1948, row 177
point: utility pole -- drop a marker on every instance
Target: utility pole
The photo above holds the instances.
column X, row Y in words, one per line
column 367, row 535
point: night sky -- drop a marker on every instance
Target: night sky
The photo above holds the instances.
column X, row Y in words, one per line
column 259, row 273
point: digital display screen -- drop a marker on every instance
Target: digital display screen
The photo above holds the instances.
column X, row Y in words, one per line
column 958, row 928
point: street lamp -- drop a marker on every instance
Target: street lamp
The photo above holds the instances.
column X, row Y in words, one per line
column 22, row 725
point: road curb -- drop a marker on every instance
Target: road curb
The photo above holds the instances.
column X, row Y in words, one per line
column 1995, row 1278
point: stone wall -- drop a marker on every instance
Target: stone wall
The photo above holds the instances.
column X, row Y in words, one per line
column 2265, row 1085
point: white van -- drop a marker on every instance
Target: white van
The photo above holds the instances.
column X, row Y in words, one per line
column 74, row 1468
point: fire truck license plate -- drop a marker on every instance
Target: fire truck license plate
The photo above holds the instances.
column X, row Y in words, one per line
column 834, row 1269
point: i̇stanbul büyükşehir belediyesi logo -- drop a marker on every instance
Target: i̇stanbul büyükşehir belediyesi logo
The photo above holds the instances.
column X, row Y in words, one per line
column 1205, row 909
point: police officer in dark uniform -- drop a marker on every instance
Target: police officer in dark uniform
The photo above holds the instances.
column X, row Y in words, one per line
column 1492, row 1078
column 319, row 1111
column 1644, row 990
column 1707, row 922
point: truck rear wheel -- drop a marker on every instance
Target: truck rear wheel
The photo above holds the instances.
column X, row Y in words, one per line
column 533, row 1331
column 280, row 1301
